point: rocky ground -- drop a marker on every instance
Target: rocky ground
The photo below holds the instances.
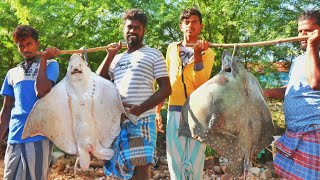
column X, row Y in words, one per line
column 62, row 167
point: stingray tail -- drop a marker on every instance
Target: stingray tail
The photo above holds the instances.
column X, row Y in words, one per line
column 246, row 166
column 84, row 159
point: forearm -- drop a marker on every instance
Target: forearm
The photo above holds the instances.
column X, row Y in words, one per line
column 199, row 47
column 4, row 124
column 5, row 115
column 158, row 97
column 197, row 57
column 276, row 93
column 103, row 69
column 203, row 75
column 43, row 84
column 312, row 67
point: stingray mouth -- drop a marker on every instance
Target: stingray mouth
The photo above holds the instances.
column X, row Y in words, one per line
column 227, row 68
column 75, row 71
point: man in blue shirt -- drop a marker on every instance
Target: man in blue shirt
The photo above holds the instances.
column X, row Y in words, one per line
column 23, row 86
column 298, row 150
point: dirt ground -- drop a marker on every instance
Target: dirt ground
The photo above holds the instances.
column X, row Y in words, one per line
column 63, row 168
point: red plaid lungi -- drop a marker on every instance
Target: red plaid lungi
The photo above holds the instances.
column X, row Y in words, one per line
column 298, row 155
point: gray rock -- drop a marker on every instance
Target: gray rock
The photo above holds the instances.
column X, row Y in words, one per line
column 255, row 171
column 56, row 155
column 266, row 174
column 156, row 176
column 217, row 169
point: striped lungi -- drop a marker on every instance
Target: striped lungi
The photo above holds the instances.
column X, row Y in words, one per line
column 298, row 155
column 185, row 155
column 27, row 161
column 135, row 146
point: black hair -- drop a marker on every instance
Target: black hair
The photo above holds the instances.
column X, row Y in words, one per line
column 23, row 31
column 136, row 14
column 310, row 15
column 190, row 11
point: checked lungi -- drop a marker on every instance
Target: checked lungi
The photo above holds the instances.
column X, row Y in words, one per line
column 27, row 161
column 298, row 155
column 135, row 146
column 185, row 155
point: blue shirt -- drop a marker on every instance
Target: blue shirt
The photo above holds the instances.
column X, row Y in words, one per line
column 301, row 103
column 20, row 85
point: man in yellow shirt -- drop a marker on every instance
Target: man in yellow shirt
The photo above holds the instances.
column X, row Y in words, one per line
column 189, row 68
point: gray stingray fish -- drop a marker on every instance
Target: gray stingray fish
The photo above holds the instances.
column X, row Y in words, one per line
column 230, row 114
column 80, row 115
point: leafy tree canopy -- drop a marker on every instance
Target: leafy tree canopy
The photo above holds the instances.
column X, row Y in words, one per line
column 73, row 24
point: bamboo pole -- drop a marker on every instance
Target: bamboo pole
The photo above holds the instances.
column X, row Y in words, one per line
column 231, row 45
column 263, row 43
column 88, row 50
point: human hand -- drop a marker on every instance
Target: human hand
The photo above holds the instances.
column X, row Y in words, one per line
column 133, row 109
column 114, row 48
column 49, row 53
column 200, row 45
column 159, row 123
column 314, row 38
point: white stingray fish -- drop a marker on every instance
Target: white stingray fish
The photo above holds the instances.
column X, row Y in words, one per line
column 229, row 113
column 80, row 115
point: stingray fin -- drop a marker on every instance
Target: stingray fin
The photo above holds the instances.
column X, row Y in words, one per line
column 50, row 117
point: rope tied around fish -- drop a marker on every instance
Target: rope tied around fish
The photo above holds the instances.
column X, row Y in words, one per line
column 217, row 45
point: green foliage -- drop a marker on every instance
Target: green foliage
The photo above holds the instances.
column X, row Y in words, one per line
column 276, row 108
column 210, row 152
column 73, row 24
column 76, row 23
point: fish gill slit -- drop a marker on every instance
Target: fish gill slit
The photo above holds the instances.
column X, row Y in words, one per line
column 69, row 102
column 92, row 97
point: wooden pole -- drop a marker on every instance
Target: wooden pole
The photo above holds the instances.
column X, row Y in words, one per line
column 231, row 45
column 88, row 50
column 263, row 43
